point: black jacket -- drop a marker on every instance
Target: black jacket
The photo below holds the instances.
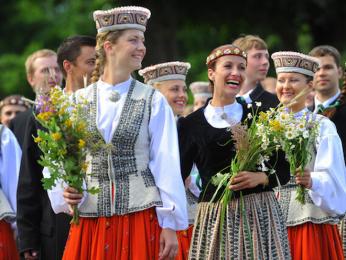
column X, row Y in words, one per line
column 18, row 124
column 212, row 150
column 38, row 226
column 267, row 99
column 339, row 119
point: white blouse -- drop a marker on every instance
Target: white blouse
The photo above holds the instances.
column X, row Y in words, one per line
column 164, row 161
column 214, row 115
column 328, row 175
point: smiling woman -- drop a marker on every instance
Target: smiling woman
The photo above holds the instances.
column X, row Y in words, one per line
column 141, row 201
column 169, row 78
column 205, row 140
column 312, row 227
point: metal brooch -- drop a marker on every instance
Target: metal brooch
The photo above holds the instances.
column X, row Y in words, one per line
column 115, row 96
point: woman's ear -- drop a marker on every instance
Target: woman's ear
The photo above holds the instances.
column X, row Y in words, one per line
column 310, row 84
column 107, row 46
column 211, row 74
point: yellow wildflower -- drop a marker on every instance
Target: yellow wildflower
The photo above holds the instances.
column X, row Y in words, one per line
column 84, row 167
column 275, row 125
column 81, row 144
column 56, row 136
column 263, row 116
column 44, row 116
column 81, row 127
column 62, row 152
column 38, row 139
column 68, row 123
column 61, row 111
column 55, row 96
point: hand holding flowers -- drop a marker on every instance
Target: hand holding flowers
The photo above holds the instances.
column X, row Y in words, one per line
column 254, row 146
column 304, row 179
column 296, row 137
column 247, row 180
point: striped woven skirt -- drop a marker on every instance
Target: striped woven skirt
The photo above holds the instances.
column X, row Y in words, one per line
column 342, row 230
column 253, row 228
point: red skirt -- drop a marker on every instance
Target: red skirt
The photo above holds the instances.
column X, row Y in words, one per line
column 184, row 240
column 8, row 248
column 315, row 241
column 133, row 236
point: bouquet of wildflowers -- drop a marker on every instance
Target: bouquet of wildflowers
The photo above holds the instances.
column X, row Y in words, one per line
column 296, row 135
column 254, row 143
column 63, row 144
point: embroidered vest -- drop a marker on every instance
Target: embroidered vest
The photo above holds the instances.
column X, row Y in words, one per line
column 296, row 213
column 120, row 170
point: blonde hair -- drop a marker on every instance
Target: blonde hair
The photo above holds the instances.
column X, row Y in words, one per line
column 101, row 38
column 156, row 85
column 248, row 42
column 29, row 63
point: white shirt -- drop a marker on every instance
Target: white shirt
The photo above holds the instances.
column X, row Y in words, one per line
column 164, row 161
column 213, row 115
column 326, row 103
column 246, row 96
column 328, row 176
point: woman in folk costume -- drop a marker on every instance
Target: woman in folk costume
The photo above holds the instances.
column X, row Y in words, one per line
column 201, row 93
column 330, row 98
column 204, row 140
column 169, row 78
column 312, row 227
column 10, row 155
column 141, row 202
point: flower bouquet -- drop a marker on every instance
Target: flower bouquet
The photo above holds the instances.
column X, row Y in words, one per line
column 297, row 135
column 63, row 142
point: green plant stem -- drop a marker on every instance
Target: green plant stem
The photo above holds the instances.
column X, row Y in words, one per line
column 75, row 217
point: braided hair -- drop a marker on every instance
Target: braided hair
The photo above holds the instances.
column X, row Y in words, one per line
column 330, row 111
column 100, row 62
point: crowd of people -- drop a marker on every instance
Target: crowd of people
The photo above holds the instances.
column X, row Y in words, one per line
column 154, row 198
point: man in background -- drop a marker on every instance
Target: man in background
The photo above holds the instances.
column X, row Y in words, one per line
column 256, row 71
column 42, row 234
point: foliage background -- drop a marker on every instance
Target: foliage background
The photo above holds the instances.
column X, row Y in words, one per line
column 177, row 30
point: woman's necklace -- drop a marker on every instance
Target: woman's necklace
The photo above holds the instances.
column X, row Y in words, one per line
column 226, row 118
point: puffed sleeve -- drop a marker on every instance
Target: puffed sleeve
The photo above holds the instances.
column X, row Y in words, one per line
column 328, row 176
column 55, row 194
column 10, row 164
column 165, row 166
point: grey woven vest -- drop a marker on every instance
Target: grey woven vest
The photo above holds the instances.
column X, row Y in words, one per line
column 121, row 170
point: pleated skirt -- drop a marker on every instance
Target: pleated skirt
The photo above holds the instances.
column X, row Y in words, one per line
column 184, row 241
column 253, row 228
column 8, row 248
column 135, row 236
column 315, row 241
